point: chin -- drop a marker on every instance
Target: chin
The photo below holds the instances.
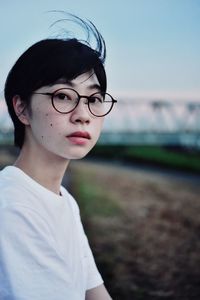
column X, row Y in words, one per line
column 79, row 152
column 77, row 155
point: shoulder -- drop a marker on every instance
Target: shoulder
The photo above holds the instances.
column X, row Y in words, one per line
column 12, row 191
column 17, row 203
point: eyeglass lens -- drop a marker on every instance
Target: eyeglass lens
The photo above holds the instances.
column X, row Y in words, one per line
column 65, row 100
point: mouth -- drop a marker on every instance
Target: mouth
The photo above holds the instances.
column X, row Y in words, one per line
column 79, row 137
column 80, row 134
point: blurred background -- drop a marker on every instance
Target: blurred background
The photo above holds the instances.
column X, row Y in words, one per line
column 139, row 188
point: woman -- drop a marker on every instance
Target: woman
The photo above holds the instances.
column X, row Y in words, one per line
column 56, row 97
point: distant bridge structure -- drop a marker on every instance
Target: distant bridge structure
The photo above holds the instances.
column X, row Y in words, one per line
column 153, row 122
column 141, row 122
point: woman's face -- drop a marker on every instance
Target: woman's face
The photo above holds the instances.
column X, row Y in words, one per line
column 72, row 135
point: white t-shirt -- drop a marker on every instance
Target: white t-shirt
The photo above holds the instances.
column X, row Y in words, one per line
column 44, row 253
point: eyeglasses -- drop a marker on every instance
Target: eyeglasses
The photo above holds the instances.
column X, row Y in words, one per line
column 65, row 100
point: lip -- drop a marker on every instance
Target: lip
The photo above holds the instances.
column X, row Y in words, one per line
column 80, row 134
column 79, row 137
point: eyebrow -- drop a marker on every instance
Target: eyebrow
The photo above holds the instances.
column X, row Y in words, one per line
column 94, row 86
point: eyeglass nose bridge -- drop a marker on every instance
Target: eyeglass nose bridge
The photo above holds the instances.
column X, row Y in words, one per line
column 79, row 97
column 82, row 97
column 86, row 103
column 85, row 97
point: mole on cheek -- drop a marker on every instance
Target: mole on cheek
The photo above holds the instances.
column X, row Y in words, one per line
column 51, row 125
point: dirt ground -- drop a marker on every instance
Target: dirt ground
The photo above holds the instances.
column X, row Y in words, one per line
column 152, row 249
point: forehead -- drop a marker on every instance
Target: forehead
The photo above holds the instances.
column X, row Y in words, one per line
column 86, row 80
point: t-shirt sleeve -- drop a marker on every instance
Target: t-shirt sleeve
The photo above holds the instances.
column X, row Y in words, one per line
column 30, row 266
column 94, row 278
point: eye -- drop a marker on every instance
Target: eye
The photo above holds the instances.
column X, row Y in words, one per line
column 62, row 96
column 96, row 99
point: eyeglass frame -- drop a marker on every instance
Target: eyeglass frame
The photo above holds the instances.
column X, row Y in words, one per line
column 79, row 98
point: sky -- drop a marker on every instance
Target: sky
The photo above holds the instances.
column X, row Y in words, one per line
column 153, row 46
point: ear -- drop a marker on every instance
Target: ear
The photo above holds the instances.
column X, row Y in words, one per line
column 20, row 110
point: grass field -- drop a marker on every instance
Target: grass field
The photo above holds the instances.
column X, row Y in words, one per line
column 143, row 228
column 168, row 157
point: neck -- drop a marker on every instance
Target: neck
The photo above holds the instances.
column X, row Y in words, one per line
column 47, row 170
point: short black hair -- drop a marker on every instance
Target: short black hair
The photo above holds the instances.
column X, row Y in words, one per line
column 49, row 60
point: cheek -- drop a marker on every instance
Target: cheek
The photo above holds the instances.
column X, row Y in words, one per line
column 43, row 124
column 55, row 126
column 99, row 123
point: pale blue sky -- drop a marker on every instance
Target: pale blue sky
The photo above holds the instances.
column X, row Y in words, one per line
column 153, row 45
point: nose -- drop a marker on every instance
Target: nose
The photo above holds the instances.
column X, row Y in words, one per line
column 81, row 113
